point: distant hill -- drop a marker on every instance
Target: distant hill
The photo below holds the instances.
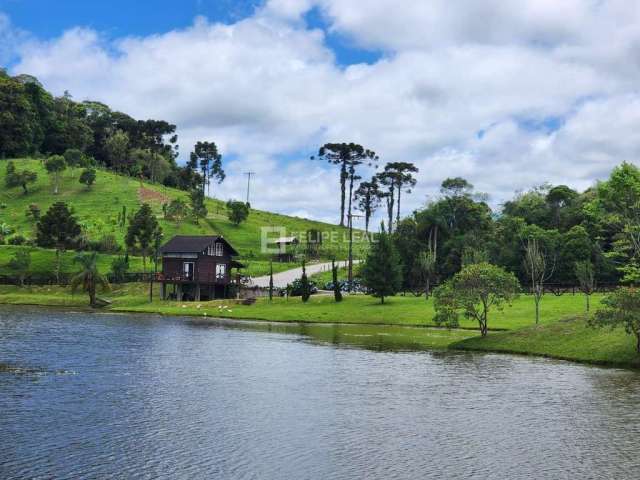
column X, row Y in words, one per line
column 98, row 209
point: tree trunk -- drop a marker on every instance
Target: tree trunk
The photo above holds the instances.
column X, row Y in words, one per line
column 350, row 221
column 382, row 299
column 271, row 280
column 58, row 266
column 398, row 206
column 390, row 202
column 637, row 341
column 587, row 303
column 483, row 327
column 92, row 294
column 343, row 187
column 537, row 296
column 55, row 187
column 426, row 290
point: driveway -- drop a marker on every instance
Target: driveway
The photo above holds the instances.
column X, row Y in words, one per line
column 282, row 279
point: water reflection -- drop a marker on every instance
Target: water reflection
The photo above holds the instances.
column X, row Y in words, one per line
column 157, row 398
column 372, row 337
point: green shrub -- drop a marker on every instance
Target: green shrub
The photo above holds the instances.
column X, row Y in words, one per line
column 119, row 269
column 17, row 240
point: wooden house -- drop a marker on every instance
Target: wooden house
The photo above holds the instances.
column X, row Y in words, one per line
column 286, row 247
column 198, row 268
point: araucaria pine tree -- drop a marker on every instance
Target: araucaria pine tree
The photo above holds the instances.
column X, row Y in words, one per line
column 59, row 229
column 143, row 229
column 382, row 272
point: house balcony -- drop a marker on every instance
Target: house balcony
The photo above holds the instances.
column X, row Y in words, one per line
column 203, row 279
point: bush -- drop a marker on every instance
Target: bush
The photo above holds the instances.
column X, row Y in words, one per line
column 88, row 177
column 33, row 211
column 5, row 230
column 17, row 240
column 297, row 287
column 119, row 269
column 237, row 212
column 106, row 244
column 109, row 244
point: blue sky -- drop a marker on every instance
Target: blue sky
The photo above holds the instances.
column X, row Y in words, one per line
column 509, row 95
column 47, row 19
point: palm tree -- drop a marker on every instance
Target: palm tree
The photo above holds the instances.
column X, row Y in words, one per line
column 88, row 277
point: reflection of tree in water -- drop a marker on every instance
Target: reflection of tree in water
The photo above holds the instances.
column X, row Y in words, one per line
column 616, row 387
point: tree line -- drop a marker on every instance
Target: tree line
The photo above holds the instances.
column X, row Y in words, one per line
column 539, row 235
column 33, row 122
column 482, row 260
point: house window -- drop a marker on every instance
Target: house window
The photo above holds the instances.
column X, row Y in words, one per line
column 187, row 270
column 221, row 271
column 210, row 250
column 219, row 249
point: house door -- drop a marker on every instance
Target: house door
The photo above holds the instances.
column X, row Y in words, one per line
column 187, row 270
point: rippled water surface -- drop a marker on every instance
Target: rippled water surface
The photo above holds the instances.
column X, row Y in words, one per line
column 110, row 396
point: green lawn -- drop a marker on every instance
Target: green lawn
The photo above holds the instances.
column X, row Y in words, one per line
column 568, row 339
column 399, row 310
column 322, row 278
column 97, row 210
column 43, row 261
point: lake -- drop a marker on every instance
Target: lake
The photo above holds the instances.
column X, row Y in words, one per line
column 115, row 396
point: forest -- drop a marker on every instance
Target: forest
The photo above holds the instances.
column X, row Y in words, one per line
column 565, row 227
column 33, row 123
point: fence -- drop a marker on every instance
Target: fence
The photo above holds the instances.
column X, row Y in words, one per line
column 65, row 279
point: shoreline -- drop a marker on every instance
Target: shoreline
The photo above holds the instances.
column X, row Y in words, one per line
column 423, row 337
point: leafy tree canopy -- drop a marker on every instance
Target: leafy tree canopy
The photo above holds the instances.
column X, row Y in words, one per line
column 473, row 292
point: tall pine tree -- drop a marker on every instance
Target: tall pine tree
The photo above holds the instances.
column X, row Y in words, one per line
column 337, row 294
column 57, row 228
column 382, row 271
column 143, row 230
column 304, row 284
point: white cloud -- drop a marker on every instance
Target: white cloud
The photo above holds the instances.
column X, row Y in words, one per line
column 10, row 38
column 267, row 88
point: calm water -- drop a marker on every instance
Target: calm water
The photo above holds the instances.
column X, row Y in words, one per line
column 107, row 396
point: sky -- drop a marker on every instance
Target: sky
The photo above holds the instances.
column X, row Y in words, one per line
column 508, row 95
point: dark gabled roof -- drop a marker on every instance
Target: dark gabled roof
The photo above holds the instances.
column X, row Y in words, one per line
column 193, row 244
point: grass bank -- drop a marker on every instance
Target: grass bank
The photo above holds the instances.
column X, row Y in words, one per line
column 567, row 339
column 402, row 323
column 358, row 309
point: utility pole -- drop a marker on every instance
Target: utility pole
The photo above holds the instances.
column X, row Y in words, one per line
column 350, row 261
column 156, row 245
column 248, row 174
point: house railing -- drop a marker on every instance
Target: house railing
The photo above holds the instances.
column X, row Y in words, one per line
column 211, row 278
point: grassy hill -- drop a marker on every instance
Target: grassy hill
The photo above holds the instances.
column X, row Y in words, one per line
column 97, row 210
